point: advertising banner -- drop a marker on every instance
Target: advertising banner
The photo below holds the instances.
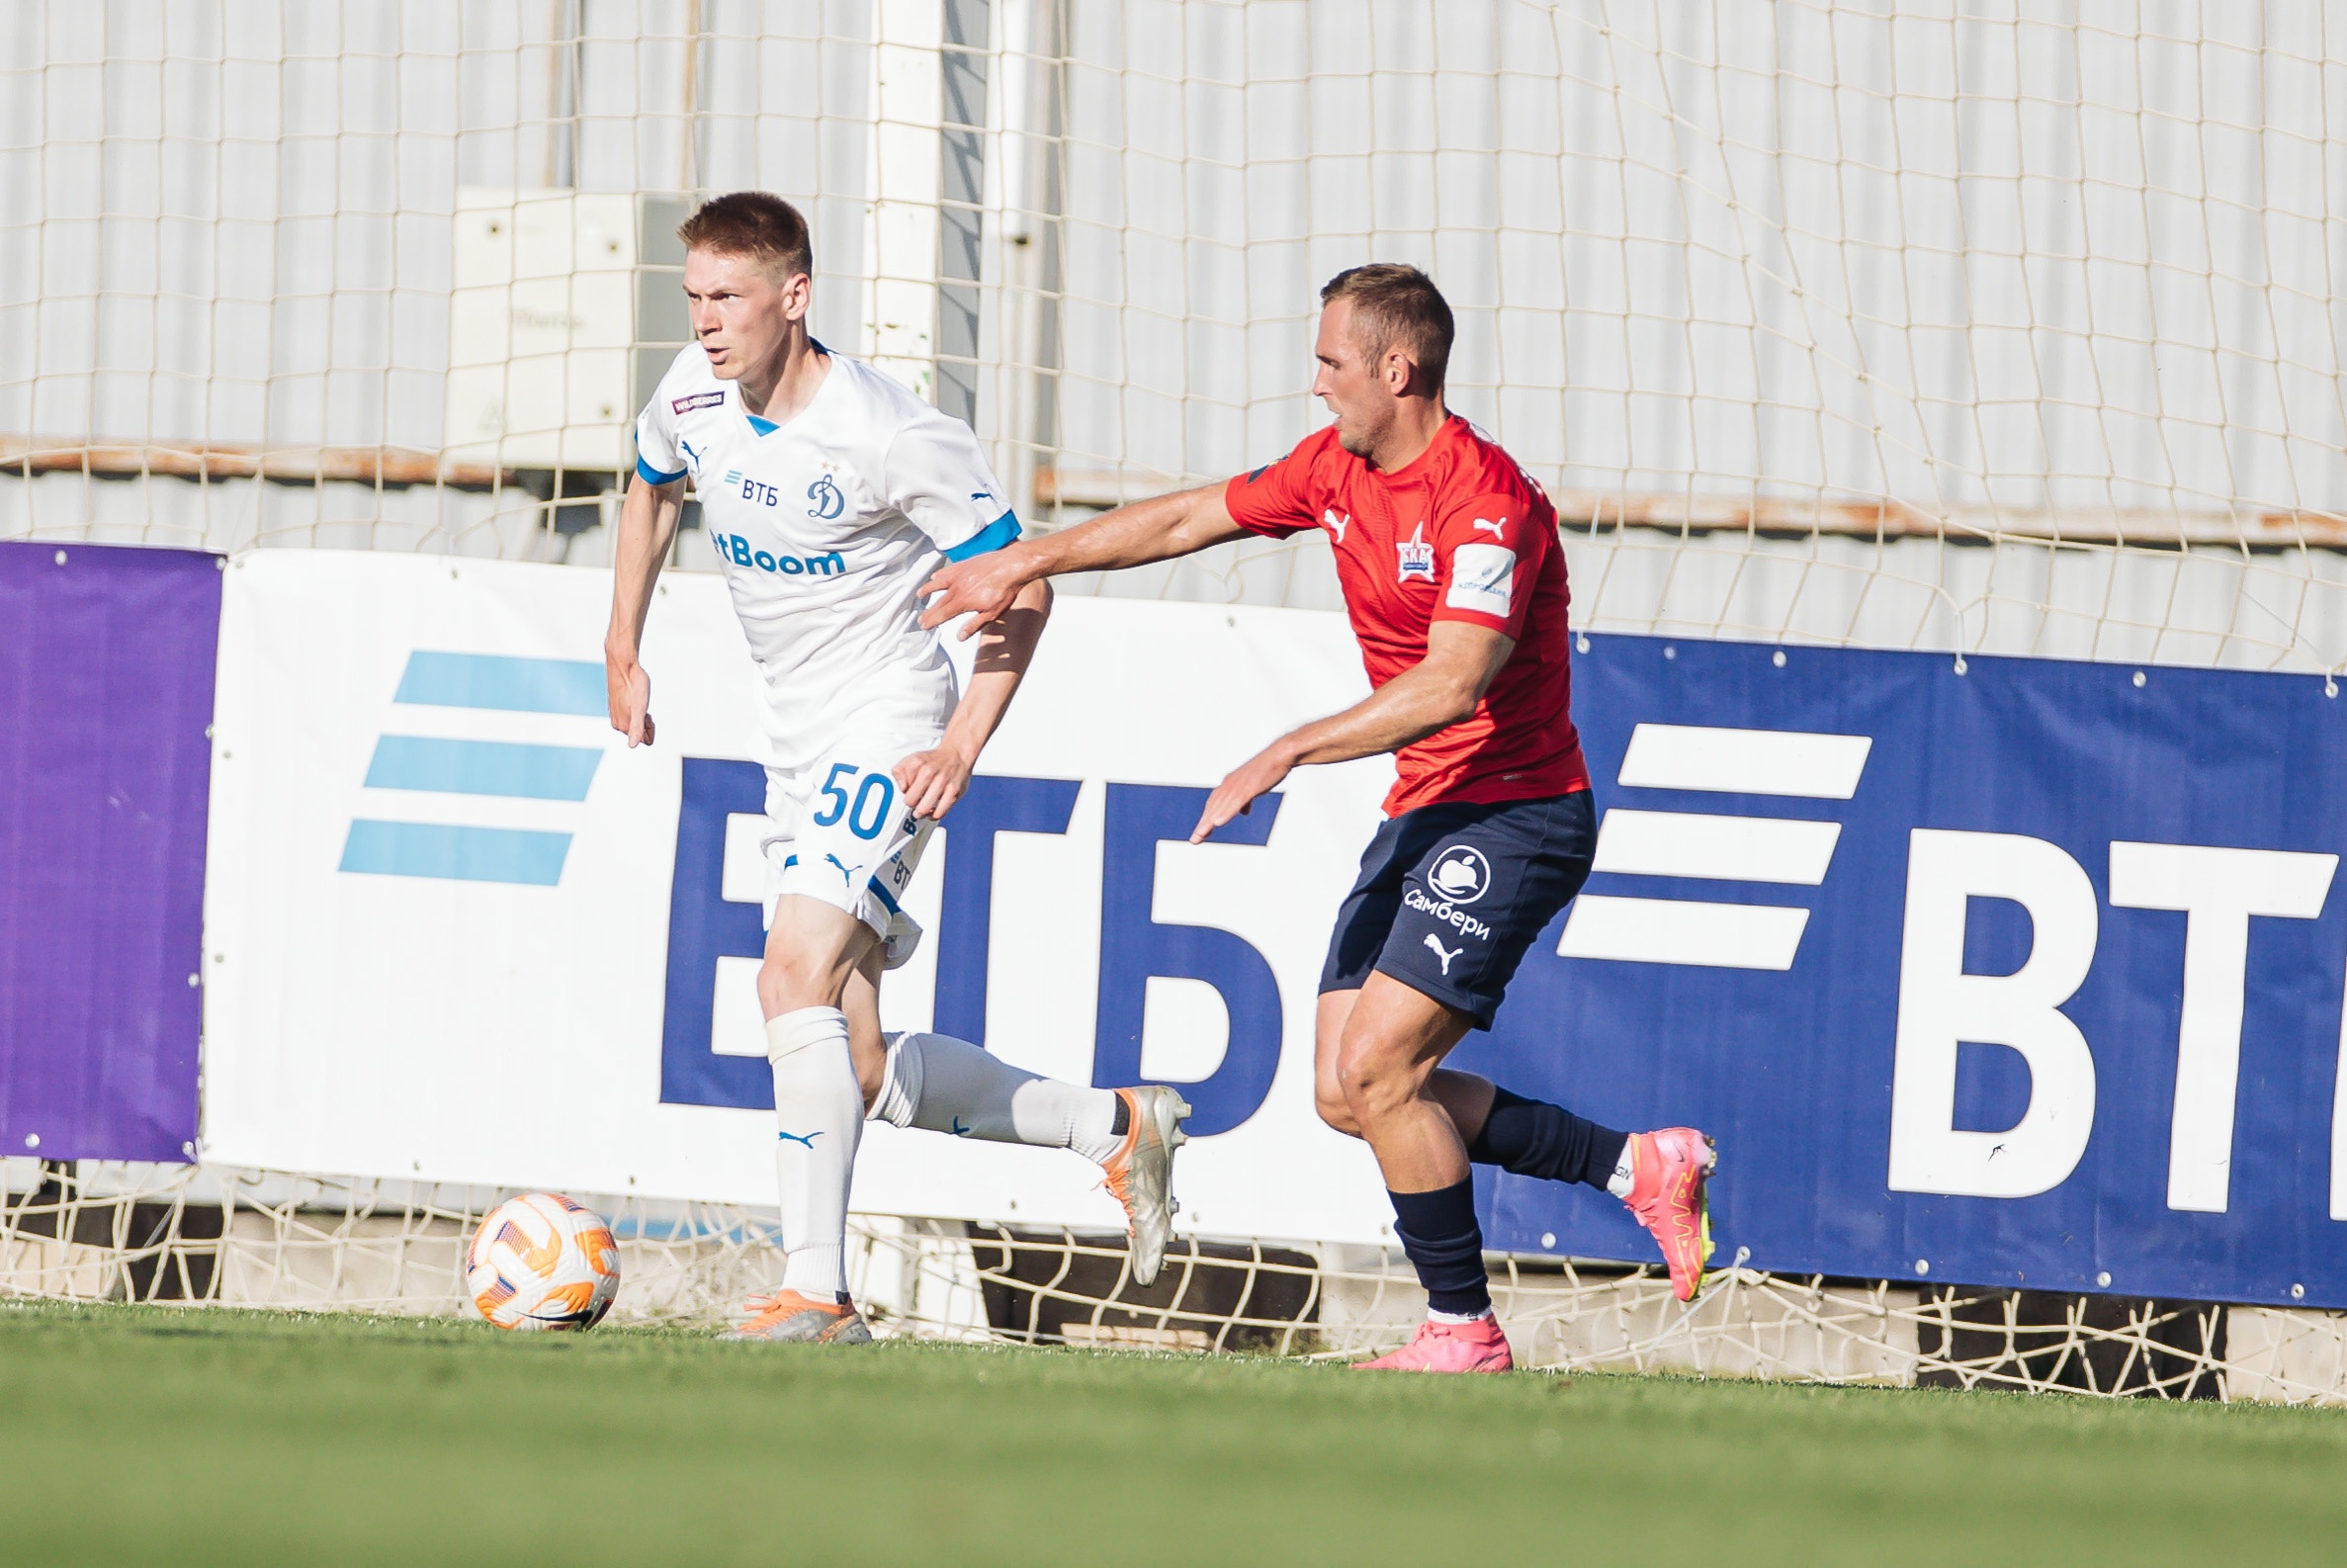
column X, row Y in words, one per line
column 460, row 932
column 2013, row 973
column 2007, row 971
column 106, row 687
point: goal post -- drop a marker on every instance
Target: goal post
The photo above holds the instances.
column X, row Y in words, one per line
column 1850, row 325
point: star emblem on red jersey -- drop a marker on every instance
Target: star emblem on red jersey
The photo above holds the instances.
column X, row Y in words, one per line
column 1417, row 556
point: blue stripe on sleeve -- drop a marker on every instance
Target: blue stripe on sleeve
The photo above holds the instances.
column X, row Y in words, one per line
column 994, row 536
column 651, row 475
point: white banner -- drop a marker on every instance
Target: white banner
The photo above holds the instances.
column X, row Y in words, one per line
column 455, row 931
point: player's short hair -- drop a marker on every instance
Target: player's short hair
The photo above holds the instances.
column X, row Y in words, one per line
column 756, row 224
column 1393, row 302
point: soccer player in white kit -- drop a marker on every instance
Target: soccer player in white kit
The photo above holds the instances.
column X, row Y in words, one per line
column 833, row 493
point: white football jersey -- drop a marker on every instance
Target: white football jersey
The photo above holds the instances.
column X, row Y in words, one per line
column 828, row 524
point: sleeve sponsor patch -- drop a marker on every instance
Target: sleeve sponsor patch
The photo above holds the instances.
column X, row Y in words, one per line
column 1482, row 580
column 707, row 399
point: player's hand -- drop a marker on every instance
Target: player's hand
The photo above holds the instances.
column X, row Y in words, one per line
column 630, row 688
column 1260, row 775
column 981, row 588
column 931, row 781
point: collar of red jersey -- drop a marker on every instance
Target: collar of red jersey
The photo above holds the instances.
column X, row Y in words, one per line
column 1450, row 429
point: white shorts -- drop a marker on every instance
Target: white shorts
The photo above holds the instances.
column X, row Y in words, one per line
column 837, row 832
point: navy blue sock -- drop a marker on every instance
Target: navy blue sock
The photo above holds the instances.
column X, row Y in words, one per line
column 1529, row 1137
column 1440, row 1233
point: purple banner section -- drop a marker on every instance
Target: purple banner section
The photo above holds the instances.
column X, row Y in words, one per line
column 106, row 683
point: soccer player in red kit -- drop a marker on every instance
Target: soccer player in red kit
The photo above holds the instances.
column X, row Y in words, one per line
column 1455, row 577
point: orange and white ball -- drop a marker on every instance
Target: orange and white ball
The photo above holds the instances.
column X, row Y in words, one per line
column 542, row 1261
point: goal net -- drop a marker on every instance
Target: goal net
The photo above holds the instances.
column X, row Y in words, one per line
column 1918, row 327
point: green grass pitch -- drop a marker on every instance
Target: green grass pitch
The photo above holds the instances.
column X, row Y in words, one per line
column 155, row 1435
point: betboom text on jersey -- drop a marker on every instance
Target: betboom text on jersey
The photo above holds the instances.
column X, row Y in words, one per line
column 736, row 549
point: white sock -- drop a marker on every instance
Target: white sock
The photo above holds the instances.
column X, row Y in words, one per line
column 1625, row 1170
column 819, row 1112
column 950, row 1085
column 1457, row 1317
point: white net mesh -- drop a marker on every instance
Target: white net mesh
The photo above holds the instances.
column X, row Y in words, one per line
column 1916, row 327
column 1911, row 327
column 239, row 1238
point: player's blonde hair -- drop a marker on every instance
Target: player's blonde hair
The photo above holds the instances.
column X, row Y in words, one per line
column 756, row 224
column 1393, row 302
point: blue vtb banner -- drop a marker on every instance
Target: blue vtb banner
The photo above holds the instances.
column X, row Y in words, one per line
column 2001, row 972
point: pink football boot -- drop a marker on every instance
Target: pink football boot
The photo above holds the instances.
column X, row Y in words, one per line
column 1668, row 1172
column 1477, row 1347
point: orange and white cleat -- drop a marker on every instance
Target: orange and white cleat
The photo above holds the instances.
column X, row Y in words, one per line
column 1477, row 1347
column 1668, row 1170
column 1140, row 1174
column 789, row 1317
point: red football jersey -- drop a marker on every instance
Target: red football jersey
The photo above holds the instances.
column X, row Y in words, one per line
column 1460, row 534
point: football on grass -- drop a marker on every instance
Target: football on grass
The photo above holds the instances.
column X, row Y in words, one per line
column 543, row 1261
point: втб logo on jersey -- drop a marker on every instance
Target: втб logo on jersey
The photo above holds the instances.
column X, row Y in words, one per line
column 757, row 493
column 1794, row 763
column 826, row 501
column 1417, row 556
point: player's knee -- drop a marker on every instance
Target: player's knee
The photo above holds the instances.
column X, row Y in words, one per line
column 1371, row 1084
column 1328, row 1098
column 788, row 981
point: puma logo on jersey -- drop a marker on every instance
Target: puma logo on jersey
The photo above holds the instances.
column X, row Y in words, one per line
column 1499, row 527
column 1416, row 558
column 1446, row 955
column 1336, row 523
column 806, row 1139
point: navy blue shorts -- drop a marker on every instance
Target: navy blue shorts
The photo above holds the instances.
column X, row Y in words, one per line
column 1451, row 896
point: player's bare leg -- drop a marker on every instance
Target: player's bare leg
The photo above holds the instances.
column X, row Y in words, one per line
column 1389, row 1044
column 1377, row 1075
column 814, row 951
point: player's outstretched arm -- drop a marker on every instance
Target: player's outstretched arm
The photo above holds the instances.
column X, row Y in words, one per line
column 1158, row 529
column 1434, row 694
column 646, row 528
column 931, row 781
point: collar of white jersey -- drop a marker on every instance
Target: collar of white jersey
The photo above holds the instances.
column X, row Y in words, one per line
column 760, row 426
